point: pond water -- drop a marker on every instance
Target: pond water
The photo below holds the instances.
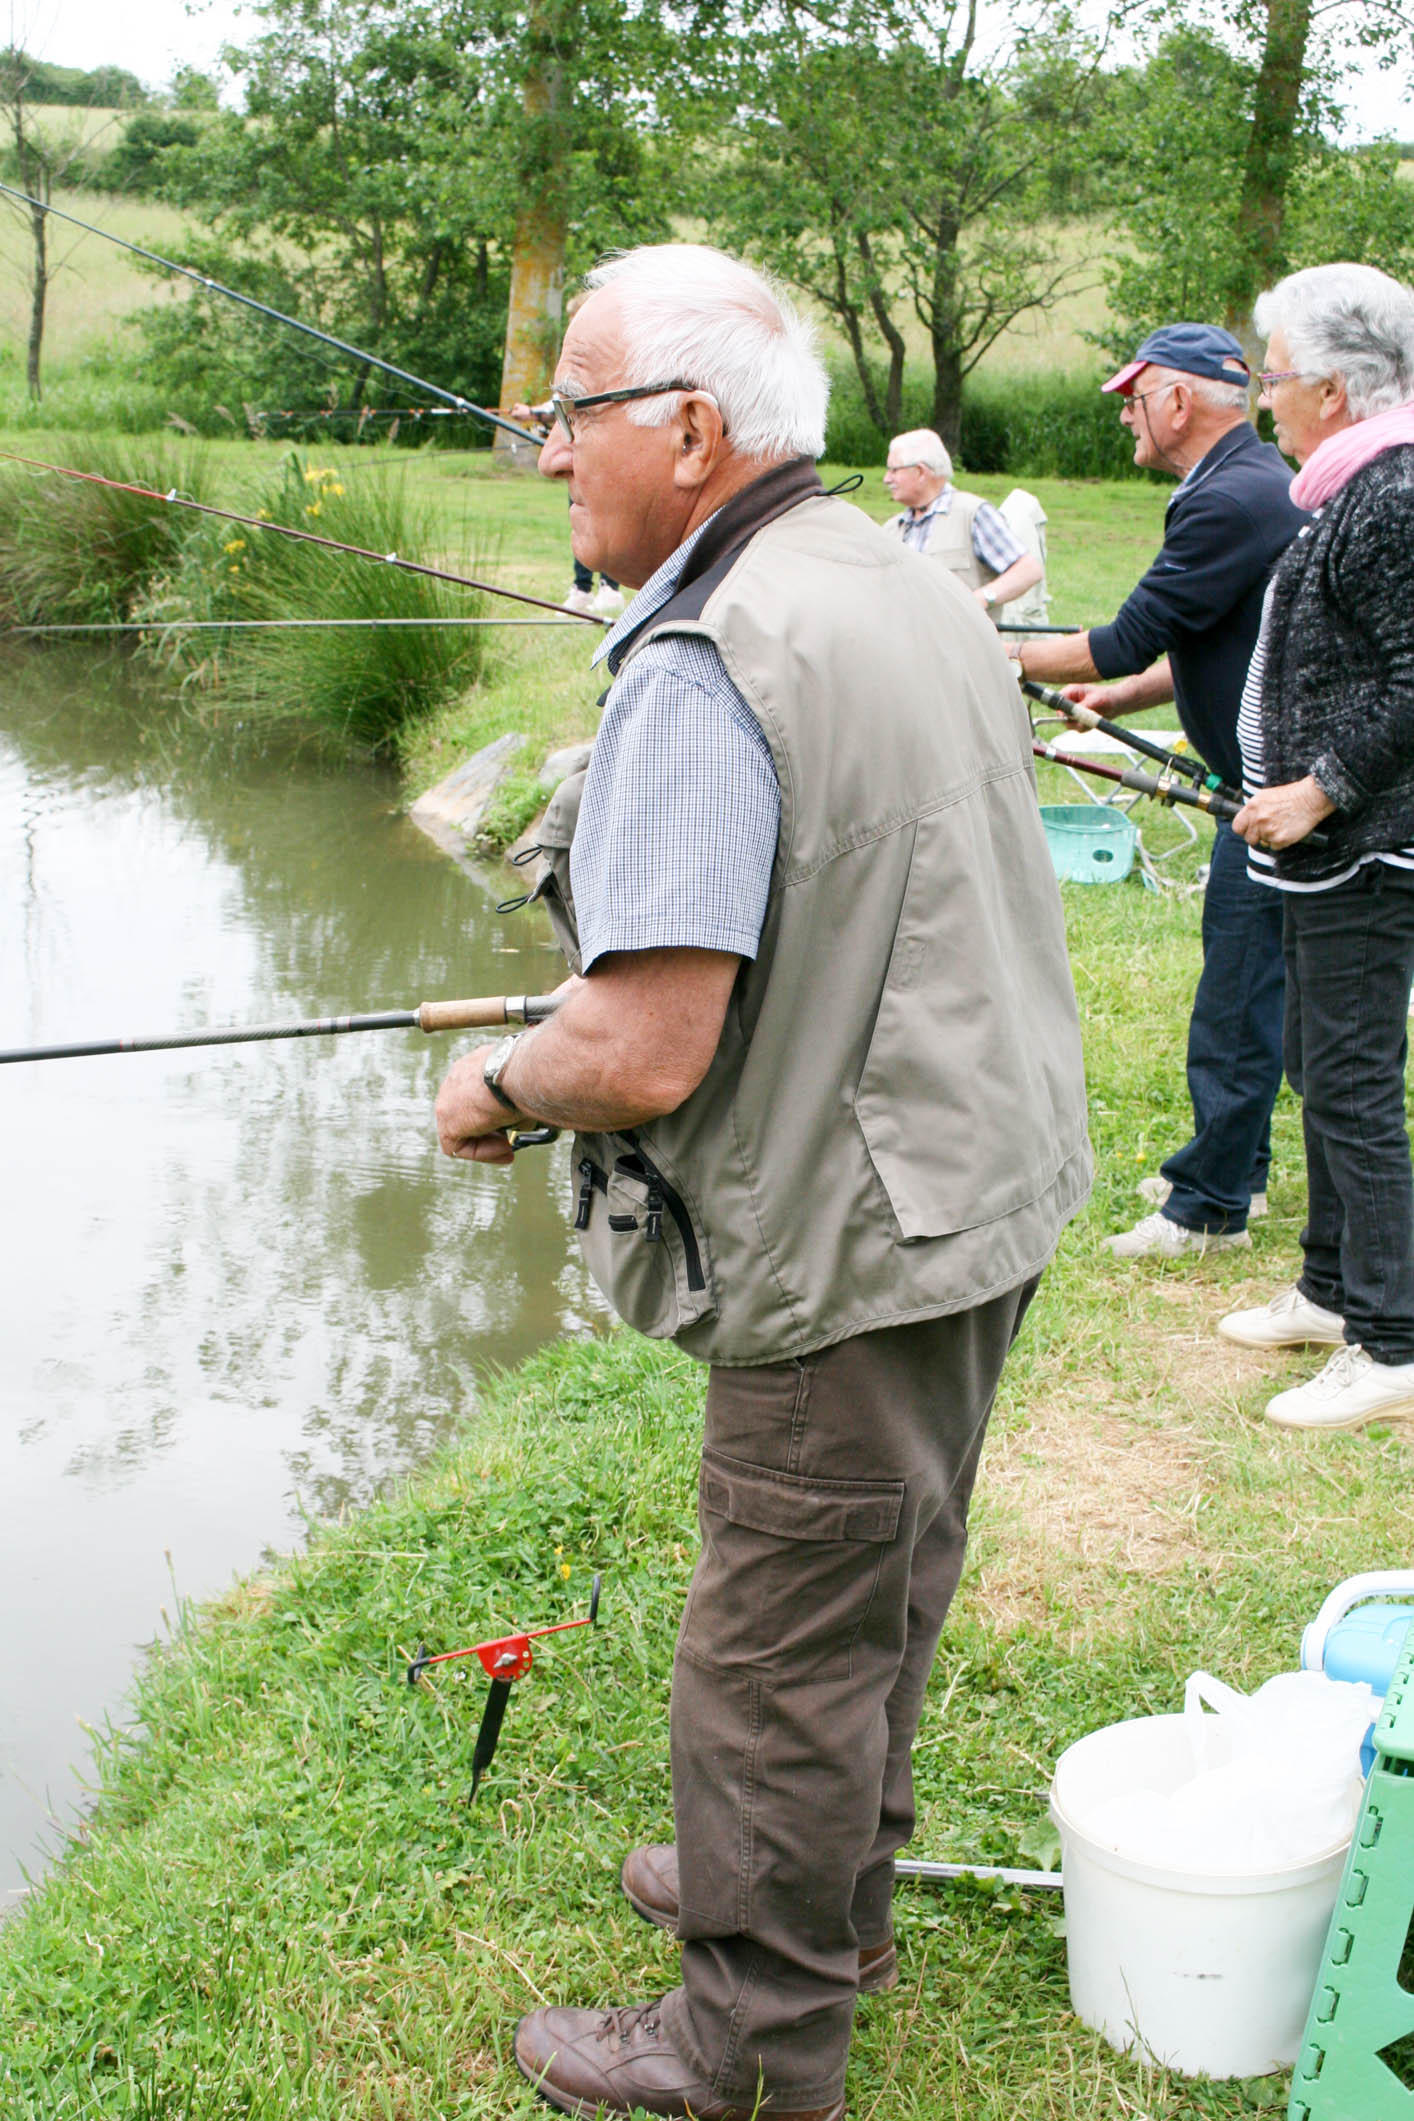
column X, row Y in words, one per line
column 238, row 1287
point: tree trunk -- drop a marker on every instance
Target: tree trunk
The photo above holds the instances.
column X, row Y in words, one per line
column 944, row 331
column 536, row 311
column 39, row 288
column 1268, row 159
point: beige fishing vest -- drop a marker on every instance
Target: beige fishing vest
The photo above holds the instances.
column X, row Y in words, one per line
column 950, row 540
column 893, row 1124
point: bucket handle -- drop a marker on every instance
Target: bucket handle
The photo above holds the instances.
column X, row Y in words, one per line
column 1201, row 1691
column 1371, row 1584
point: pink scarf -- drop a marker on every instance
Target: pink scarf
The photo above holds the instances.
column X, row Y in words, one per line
column 1341, row 455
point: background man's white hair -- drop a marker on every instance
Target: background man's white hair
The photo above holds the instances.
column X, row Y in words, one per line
column 1222, row 397
column 694, row 313
column 1350, row 321
column 921, row 446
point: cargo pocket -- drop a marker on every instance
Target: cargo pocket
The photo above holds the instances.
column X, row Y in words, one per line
column 788, row 1569
column 642, row 1239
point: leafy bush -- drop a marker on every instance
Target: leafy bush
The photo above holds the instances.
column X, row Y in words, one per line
column 1057, row 424
column 135, row 164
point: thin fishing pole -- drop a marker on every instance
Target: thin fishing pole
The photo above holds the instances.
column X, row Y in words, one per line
column 479, row 1014
column 264, row 625
column 1191, row 766
column 287, row 530
column 356, row 353
column 1159, row 787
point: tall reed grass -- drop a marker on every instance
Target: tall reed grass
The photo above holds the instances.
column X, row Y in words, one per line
column 362, row 684
column 72, row 552
column 1048, row 424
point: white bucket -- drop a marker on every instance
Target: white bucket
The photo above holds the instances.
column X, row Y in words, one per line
column 1211, row 1974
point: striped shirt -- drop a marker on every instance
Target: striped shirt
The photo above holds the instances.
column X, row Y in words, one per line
column 681, row 810
column 1261, row 864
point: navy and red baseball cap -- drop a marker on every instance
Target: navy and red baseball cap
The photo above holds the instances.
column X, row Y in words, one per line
column 1195, row 349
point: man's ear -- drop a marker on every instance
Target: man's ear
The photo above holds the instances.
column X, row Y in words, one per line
column 700, row 440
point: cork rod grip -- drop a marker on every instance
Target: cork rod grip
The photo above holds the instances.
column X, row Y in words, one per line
column 487, row 1013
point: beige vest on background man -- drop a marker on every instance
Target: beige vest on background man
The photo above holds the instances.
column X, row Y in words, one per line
column 950, row 539
column 893, row 1125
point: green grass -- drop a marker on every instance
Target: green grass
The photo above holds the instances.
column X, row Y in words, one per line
column 283, row 1907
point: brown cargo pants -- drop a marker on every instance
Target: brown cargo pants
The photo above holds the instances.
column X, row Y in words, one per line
column 833, row 1507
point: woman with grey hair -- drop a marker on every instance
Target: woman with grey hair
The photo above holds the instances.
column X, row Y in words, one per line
column 1327, row 732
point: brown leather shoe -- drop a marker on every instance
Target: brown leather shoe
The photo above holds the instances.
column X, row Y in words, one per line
column 650, row 1885
column 613, row 2061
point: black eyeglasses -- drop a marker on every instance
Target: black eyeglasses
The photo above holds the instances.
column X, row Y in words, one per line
column 565, row 407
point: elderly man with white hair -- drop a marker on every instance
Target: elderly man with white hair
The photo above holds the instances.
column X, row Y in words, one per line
column 820, row 1050
column 960, row 530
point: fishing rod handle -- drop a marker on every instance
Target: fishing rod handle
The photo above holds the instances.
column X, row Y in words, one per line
column 487, row 1014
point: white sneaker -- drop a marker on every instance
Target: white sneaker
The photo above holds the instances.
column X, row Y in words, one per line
column 580, row 600
column 608, row 602
column 1352, row 1389
column 1156, row 1237
column 1158, row 1188
column 1290, row 1320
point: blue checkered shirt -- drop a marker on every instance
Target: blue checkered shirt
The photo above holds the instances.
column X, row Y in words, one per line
column 993, row 540
column 678, row 824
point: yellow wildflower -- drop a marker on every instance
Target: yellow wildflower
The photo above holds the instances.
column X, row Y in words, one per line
column 565, row 1570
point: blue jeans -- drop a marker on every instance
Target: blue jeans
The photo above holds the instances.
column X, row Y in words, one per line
column 1350, row 961
column 1234, row 1047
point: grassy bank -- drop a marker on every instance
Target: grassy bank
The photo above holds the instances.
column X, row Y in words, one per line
column 284, row 1907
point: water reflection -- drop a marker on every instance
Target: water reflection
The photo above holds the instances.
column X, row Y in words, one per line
column 238, row 1282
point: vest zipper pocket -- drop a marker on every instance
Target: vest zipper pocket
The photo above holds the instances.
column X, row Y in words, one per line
column 661, row 1195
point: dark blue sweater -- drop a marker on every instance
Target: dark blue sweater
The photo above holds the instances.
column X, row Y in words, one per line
column 1200, row 604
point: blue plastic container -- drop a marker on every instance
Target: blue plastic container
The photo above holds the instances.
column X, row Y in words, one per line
column 1350, row 1639
column 1089, row 844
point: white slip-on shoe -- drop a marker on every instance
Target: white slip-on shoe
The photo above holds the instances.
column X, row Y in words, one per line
column 1290, row 1320
column 1156, row 1237
column 1352, row 1389
column 1157, row 1189
column 608, row 602
column 580, row 600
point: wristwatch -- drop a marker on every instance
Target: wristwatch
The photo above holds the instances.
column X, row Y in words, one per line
column 491, row 1074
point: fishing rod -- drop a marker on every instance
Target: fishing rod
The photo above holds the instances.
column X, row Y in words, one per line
column 481, row 1014
column 264, row 625
column 287, row 530
column 1190, row 766
column 1160, row 787
column 1018, row 627
column 356, row 353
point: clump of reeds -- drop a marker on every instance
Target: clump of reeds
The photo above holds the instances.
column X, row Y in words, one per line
column 72, row 552
column 363, row 683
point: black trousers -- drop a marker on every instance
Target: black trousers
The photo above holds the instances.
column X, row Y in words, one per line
column 1349, row 964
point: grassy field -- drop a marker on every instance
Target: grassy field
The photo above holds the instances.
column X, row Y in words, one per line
column 284, row 1908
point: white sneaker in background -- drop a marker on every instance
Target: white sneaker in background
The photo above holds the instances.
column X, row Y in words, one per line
column 607, row 602
column 1352, row 1389
column 580, row 600
column 1290, row 1320
column 1157, row 1189
column 1156, row 1237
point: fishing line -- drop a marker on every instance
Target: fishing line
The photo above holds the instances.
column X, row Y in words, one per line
column 265, row 625
column 325, row 338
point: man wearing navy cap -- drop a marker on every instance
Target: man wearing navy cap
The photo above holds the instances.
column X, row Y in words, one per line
column 1186, row 632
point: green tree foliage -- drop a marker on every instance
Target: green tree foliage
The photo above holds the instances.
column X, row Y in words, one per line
column 1218, row 195
column 105, row 87
column 371, row 186
column 135, row 164
column 897, row 163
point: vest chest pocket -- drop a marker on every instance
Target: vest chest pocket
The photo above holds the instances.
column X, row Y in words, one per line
column 642, row 1241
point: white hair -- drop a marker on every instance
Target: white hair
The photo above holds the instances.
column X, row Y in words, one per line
column 1349, row 321
column 921, row 446
column 697, row 315
column 1221, row 397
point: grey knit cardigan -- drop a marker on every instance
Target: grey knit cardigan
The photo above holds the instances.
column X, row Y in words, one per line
column 1338, row 686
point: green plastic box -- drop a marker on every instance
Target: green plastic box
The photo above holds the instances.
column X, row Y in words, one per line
column 1089, row 843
